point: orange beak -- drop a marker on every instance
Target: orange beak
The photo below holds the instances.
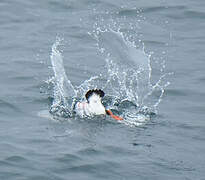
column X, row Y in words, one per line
column 109, row 112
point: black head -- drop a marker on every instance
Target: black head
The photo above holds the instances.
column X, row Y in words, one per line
column 96, row 91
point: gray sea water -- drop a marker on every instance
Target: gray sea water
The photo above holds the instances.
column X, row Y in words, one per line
column 148, row 57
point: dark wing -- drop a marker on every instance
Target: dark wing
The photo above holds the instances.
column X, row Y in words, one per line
column 96, row 91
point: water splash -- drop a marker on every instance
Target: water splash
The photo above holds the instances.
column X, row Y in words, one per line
column 129, row 87
column 129, row 71
column 63, row 88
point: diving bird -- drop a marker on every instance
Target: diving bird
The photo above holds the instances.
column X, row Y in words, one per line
column 93, row 105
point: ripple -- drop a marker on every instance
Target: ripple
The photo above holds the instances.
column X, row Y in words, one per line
column 118, row 150
column 175, row 92
column 191, row 127
column 190, row 14
column 104, row 169
column 162, row 8
column 155, row 43
column 8, row 108
column 128, row 12
column 142, row 144
column 194, row 109
column 90, row 152
column 60, row 5
column 68, row 159
column 195, row 14
column 10, row 175
column 15, row 159
column 174, row 165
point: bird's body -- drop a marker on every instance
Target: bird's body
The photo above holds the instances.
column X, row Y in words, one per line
column 91, row 108
column 93, row 105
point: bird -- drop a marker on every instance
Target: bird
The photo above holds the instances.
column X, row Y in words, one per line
column 93, row 106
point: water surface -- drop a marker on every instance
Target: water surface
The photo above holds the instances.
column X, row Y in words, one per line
column 36, row 145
